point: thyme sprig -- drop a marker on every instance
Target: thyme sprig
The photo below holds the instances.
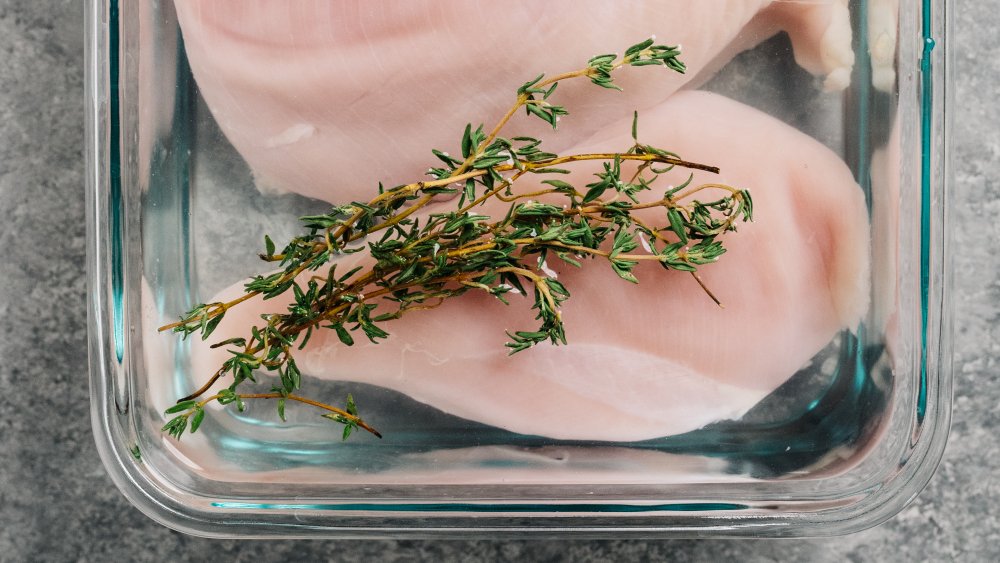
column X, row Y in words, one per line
column 419, row 261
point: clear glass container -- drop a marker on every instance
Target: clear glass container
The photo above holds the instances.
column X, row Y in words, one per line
column 178, row 185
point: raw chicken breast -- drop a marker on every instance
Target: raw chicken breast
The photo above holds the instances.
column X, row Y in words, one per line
column 818, row 30
column 883, row 38
column 321, row 98
column 647, row 360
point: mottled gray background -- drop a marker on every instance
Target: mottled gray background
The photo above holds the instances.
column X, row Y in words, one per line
column 57, row 504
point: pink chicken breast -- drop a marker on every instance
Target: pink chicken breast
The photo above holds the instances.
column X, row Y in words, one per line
column 322, row 97
column 648, row 360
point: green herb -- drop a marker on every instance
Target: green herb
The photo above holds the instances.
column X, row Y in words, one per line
column 418, row 263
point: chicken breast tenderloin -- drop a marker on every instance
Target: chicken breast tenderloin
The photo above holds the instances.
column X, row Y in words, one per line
column 322, row 97
column 647, row 360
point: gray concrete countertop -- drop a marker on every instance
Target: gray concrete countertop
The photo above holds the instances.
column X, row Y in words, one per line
column 57, row 503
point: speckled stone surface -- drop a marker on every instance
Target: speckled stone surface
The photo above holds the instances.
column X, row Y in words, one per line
column 57, row 504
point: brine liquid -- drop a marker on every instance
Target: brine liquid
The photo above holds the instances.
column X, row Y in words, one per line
column 202, row 197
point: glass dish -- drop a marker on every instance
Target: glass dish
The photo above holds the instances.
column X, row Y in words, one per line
column 842, row 445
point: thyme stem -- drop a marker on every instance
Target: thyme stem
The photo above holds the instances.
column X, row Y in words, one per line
column 419, row 261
